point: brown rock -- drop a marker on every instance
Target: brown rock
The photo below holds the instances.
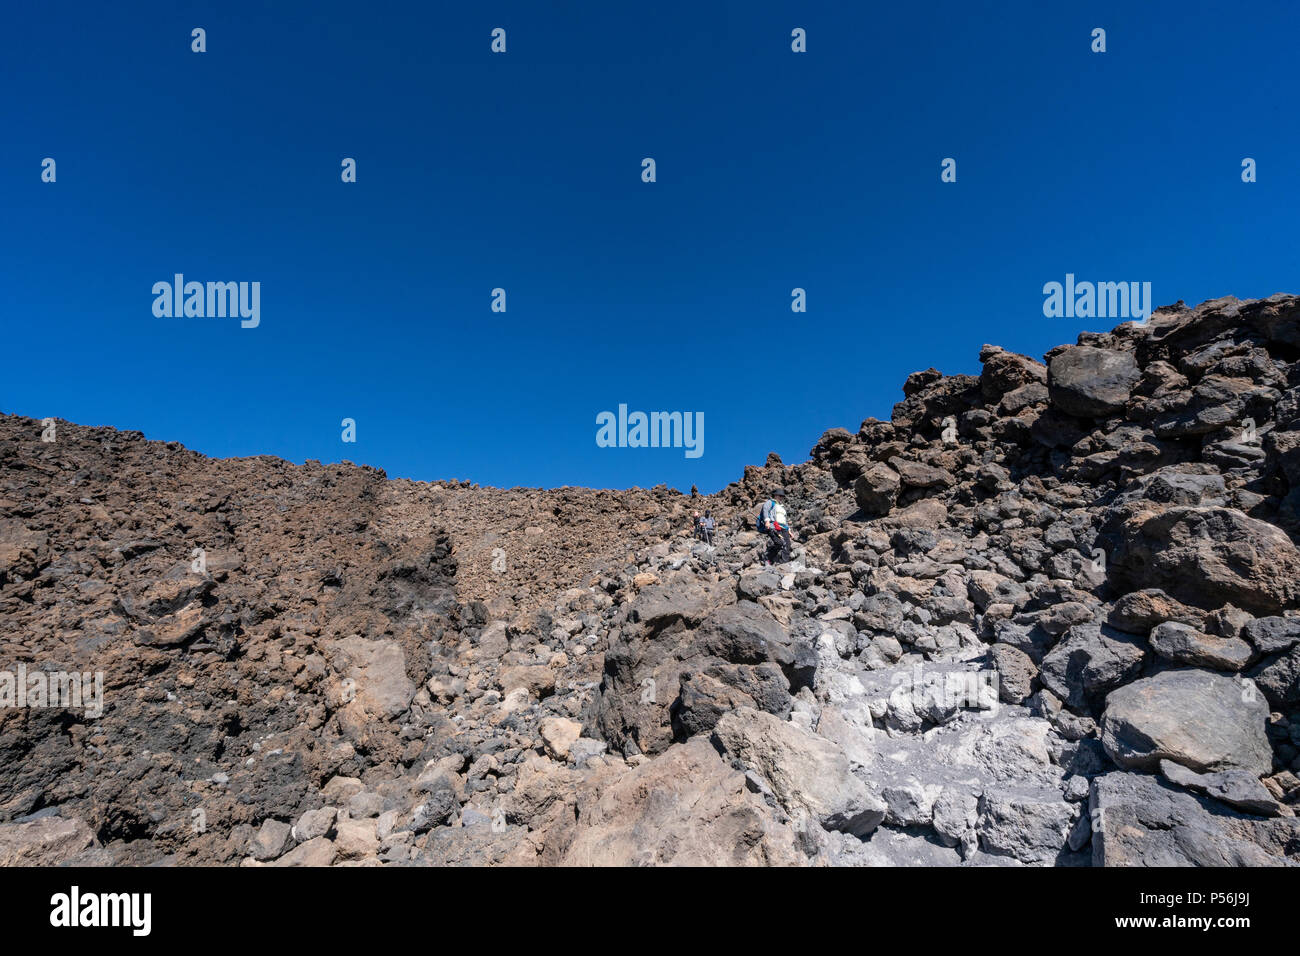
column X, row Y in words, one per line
column 1139, row 611
column 685, row 807
column 558, row 735
column 47, row 841
column 317, row 852
column 876, row 489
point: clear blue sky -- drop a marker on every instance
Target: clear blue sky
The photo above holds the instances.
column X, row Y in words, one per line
column 523, row 171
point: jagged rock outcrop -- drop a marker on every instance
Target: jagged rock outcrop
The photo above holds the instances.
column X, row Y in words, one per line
column 1046, row 615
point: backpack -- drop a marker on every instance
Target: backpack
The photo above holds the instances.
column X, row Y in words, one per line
column 764, row 514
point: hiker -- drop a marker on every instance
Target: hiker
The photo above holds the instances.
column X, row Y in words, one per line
column 772, row 520
column 706, row 528
column 696, row 527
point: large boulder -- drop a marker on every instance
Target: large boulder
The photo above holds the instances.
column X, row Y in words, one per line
column 704, row 696
column 558, row 735
column 1018, row 399
column 1031, row 826
column 316, row 852
column 1140, row 820
column 851, row 729
column 1091, row 382
column 376, row 685
column 1005, row 372
column 686, row 807
column 915, row 474
column 1202, row 720
column 808, row 773
column 668, row 680
column 1216, row 402
column 932, row 396
column 1207, row 557
column 745, row 633
column 1016, row 672
column 659, row 608
column 1277, row 317
column 876, row 489
column 1090, row 661
column 645, row 661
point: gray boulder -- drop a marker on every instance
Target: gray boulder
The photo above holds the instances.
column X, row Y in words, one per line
column 1186, row 645
column 1091, row 660
column 745, row 633
column 1033, row 827
column 1202, row 720
column 1139, row 820
column 1237, row 788
column 1279, row 678
column 271, row 840
column 1016, row 672
column 1091, row 382
column 1270, row 635
column 955, row 815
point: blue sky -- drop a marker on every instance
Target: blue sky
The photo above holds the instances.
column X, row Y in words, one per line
column 522, row 171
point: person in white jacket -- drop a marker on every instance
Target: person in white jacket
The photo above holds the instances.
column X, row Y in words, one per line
column 778, row 528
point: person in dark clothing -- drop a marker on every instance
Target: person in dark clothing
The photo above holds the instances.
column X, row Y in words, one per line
column 706, row 527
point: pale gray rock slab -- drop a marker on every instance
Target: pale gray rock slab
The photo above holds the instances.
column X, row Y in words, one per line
column 1201, row 719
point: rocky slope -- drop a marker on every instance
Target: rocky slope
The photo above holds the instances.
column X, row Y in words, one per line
column 1046, row 615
